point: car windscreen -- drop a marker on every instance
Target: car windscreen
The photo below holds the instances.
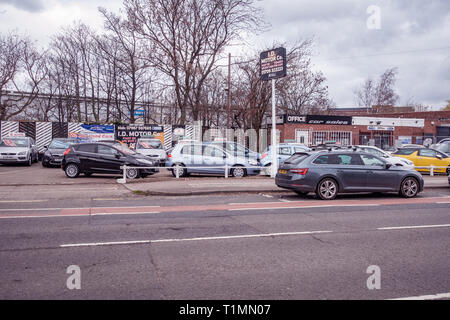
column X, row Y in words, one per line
column 405, row 151
column 14, row 143
column 443, row 147
column 61, row 144
column 296, row 158
column 123, row 149
column 149, row 144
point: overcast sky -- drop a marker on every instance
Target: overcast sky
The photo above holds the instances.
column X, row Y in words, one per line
column 413, row 35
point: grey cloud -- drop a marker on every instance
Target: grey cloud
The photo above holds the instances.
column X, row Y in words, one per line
column 27, row 5
column 339, row 29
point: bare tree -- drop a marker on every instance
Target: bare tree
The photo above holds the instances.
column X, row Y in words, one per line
column 377, row 95
column 186, row 38
column 22, row 68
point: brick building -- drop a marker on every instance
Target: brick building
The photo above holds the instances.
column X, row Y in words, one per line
column 382, row 130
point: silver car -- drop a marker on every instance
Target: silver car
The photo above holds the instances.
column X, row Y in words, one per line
column 206, row 158
column 396, row 161
column 19, row 150
column 152, row 148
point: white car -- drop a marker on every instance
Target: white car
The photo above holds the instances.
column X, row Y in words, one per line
column 152, row 148
column 18, row 150
column 395, row 161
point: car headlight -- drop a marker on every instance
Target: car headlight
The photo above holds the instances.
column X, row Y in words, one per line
column 23, row 153
column 252, row 162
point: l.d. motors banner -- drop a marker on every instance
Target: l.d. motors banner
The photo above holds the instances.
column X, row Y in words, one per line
column 129, row 133
column 97, row 132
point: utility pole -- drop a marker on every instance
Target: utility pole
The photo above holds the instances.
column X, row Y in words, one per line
column 228, row 95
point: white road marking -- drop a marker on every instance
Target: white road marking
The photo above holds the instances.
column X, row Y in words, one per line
column 267, row 196
column 426, row 297
column 262, row 235
column 13, row 201
column 416, row 227
column 80, row 208
column 80, row 215
column 443, row 202
column 107, row 199
column 284, row 200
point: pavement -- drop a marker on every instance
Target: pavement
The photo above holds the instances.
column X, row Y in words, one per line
column 219, row 185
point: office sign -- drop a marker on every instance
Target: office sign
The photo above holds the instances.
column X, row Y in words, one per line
column 380, row 128
column 294, row 119
column 272, row 64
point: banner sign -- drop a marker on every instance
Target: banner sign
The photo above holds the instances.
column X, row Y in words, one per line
column 272, row 64
column 129, row 133
column 380, row 128
column 329, row 120
column 96, row 132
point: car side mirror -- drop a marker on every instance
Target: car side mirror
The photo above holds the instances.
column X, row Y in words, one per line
column 439, row 157
column 117, row 156
column 388, row 165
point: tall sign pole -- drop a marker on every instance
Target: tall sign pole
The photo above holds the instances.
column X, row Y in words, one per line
column 273, row 66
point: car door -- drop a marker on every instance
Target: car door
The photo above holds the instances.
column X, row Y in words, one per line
column 191, row 157
column 430, row 157
column 108, row 159
column 378, row 176
column 86, row 154
column 214, row 158
column 350, row 171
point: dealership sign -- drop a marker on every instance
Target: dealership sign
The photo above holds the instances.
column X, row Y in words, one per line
column 318, row 119
column 380, row 128
column 129, row 133
column 97, row 132
column 272, row 64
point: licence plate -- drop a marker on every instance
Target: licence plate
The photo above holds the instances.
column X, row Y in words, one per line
column 8, row 157
column 282, row 171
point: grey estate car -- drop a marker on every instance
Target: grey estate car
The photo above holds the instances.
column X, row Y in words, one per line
column 328, row 173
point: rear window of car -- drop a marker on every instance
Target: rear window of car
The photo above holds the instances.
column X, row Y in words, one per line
column 193, row 150
column 86, row 148
column 339, row 159
column 404, row 151
column 296, row 158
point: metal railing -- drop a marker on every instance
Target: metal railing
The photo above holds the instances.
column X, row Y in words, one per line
column 227, row 169
column 176, row 168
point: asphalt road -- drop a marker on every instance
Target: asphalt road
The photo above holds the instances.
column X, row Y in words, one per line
column 263, row 246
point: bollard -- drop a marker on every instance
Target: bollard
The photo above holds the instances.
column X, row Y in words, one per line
column 431, row 171
column 177, row 172
column 124, row 178
column 226, row 171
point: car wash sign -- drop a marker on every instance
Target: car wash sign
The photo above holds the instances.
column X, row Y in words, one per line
column 272, row 64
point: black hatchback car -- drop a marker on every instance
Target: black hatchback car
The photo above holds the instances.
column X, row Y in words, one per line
column 342, row 171
column 89, row 158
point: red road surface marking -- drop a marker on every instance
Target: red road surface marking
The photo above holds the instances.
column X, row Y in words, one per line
column 219, row 207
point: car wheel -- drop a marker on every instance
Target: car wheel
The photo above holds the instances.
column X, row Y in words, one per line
column 409, row 188
column 132, row 173
column 448, row 171
column 238, row 172
column 327, row 189
column 182, row 172
column 72, row 170
column 30, row 161
column 45, row 165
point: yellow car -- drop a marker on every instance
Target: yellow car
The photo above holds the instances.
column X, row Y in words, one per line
column 424, row 157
